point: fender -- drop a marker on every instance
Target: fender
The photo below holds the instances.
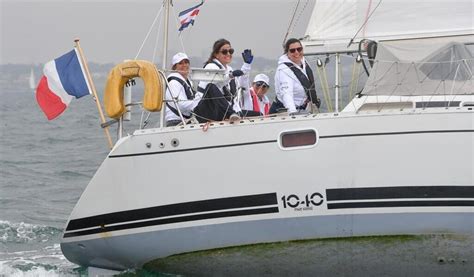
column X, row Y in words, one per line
column 120, row 74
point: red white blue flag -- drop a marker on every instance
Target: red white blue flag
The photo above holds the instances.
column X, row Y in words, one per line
column 187, row 17
column 63, row 80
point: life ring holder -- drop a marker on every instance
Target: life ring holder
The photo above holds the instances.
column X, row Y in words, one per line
column 154, row 83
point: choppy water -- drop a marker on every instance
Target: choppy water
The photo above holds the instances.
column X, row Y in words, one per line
column 44, row 167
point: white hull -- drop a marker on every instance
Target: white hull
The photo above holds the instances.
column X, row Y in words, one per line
column 368, row 174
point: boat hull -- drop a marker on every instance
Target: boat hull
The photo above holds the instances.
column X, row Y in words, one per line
column 178, row 190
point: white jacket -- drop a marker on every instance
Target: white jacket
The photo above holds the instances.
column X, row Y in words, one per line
column 239, row 81
column 176, row 91
column 288, row 88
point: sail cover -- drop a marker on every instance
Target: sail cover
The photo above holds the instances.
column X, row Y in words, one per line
column 334, row 22
column 409, row 68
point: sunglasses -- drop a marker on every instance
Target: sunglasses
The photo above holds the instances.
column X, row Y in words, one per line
column 261, row 84
column 293, row 50
column 227, row 51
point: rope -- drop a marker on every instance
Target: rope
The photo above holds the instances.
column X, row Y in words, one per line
column 149, row 31
column 326, row 83
column 327, row 97
column 156, row 41
column 355, row 72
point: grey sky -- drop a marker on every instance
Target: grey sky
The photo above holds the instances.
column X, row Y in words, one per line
column 111, row 31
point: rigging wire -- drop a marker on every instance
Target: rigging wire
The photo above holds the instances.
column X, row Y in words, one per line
column 300, row 14
column 291, row 21
column 363, row 24
column 156, row 42
column 149, row 30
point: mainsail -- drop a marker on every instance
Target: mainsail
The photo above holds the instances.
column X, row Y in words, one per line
column 335, row 22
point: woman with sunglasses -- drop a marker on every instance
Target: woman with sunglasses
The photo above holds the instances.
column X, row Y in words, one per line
column 218, row 100
column 180, row 93
column 294, row 80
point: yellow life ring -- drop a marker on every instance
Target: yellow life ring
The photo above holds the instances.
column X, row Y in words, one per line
column 120, row 74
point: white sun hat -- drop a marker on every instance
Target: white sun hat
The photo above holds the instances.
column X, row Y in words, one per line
column 178, row 58
column 262, row 78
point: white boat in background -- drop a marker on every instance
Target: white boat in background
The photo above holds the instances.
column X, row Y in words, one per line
column 32, row 80
column 397, row 159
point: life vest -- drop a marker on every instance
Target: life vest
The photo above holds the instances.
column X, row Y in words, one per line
column 256, row 104
column 306, row 82
column 228, row 93
column 120, row 74
column 188, row 89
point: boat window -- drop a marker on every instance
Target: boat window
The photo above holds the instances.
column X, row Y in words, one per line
column 438, row 104
column 386, row 106
column 454, row 62
column 298, row 138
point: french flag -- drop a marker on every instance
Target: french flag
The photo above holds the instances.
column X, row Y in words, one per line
column 63, row 80
column 187, row 17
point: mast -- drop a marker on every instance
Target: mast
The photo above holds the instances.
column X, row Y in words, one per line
column 165, row 33
column 167, row 4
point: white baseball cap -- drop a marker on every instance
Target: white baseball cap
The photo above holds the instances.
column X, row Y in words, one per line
column 262, row 78
column 179, row 57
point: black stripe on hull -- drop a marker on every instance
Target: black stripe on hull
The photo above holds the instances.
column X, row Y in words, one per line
column 400, row 204
column 397, row 133
column 172, row 220
column 238, row 202
column 400, row 192
column 194, row 149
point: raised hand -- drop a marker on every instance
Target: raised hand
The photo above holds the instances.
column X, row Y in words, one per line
column 247, row 56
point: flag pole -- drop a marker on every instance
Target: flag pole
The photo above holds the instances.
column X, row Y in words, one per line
column 94, row 92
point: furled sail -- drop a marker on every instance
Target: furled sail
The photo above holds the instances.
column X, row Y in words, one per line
column 335, row 22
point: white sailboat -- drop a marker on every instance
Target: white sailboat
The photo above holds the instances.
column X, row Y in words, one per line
column 32, row 80
column 398, row 159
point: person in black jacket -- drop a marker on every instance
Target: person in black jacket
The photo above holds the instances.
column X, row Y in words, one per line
column 219, row 99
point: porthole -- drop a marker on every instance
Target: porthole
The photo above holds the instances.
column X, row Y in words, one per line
column 294, row 139
column 175, row 142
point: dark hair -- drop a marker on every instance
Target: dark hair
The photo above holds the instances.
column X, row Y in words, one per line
column 290, row 41
column 215, row 48
column 174, row 66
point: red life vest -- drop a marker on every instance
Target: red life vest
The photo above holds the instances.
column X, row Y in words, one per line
column 256, row 105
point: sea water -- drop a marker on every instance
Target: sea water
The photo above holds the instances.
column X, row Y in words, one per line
column 44, row 167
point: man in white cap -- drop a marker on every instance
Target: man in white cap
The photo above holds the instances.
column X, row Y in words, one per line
column 180, row 95
column 255, row 98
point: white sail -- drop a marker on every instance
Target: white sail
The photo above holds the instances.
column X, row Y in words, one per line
column 32, row 80
column 334, row 23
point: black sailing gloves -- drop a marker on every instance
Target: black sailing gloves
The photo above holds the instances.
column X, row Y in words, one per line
column 237, row 73
column 247, row 56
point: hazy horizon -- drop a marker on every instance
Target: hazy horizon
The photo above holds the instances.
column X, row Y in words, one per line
column 35, row 32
